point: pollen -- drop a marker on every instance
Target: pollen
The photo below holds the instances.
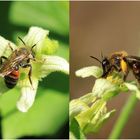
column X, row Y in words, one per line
column 124, row 66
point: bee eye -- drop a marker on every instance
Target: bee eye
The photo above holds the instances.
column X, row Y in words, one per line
column 117, row 60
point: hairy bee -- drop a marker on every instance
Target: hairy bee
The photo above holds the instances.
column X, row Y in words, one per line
column 10, row 66
column 121, row 62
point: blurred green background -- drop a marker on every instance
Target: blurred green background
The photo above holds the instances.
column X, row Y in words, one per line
column 48, row 117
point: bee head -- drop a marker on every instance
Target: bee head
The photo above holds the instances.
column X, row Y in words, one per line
column 32, row 52
column 105, row 63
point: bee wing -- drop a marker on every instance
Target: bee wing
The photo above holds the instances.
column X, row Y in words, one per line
column 5, row 71
column 134, row 64
column 10, row 64
column 132, row 58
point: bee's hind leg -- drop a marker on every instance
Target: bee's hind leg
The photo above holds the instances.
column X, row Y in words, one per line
column 30, row 72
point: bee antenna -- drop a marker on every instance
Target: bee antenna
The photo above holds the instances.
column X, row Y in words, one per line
column 96, row 59
column 33, row 46
column 21, row 40
column 102, row 55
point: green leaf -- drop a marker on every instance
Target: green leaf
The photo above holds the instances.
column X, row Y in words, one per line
column 48, row 114
column 3, row 87
column 75, row 131
column 50, row 15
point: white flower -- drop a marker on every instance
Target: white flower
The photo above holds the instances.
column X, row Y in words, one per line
column 44, row 65
column 89, row 71
column 107, row 87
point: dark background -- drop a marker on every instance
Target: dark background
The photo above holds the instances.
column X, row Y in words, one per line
column 107, row 27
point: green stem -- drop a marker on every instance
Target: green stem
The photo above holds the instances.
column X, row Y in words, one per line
column 124, row 116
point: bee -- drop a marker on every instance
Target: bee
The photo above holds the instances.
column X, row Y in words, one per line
column 120, row 62
column 10, row 66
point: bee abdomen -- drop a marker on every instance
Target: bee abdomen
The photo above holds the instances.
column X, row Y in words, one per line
column 136, row 71
column 11, row 79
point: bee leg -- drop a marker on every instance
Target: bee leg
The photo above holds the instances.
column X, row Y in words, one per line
column 2, row 57
column 125, row 75
column 109, row 70
column 104, row 75
column 10, row 47
column 117, row 69
column 28, row 61
column 30, row 71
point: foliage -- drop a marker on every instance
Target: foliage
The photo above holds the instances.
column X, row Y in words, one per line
column 49, row 113
column 89, row 112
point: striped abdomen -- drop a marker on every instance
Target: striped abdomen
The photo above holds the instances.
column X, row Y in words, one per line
column 11, row 79
column 136, row 71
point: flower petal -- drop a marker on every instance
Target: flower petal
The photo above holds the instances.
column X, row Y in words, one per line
column 89, row 71
column 104, row 88
column 28, row 93
column 77, row 106
column 52, row 64
column 90, row 114
column 4, row 49
column 44, row 45
column 36, row 35
column 134, row 88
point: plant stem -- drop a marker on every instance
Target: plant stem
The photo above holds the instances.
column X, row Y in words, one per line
column 124, row 116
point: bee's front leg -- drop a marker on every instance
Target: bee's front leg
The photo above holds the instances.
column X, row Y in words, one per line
column 105, row 73
column 2, row 57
